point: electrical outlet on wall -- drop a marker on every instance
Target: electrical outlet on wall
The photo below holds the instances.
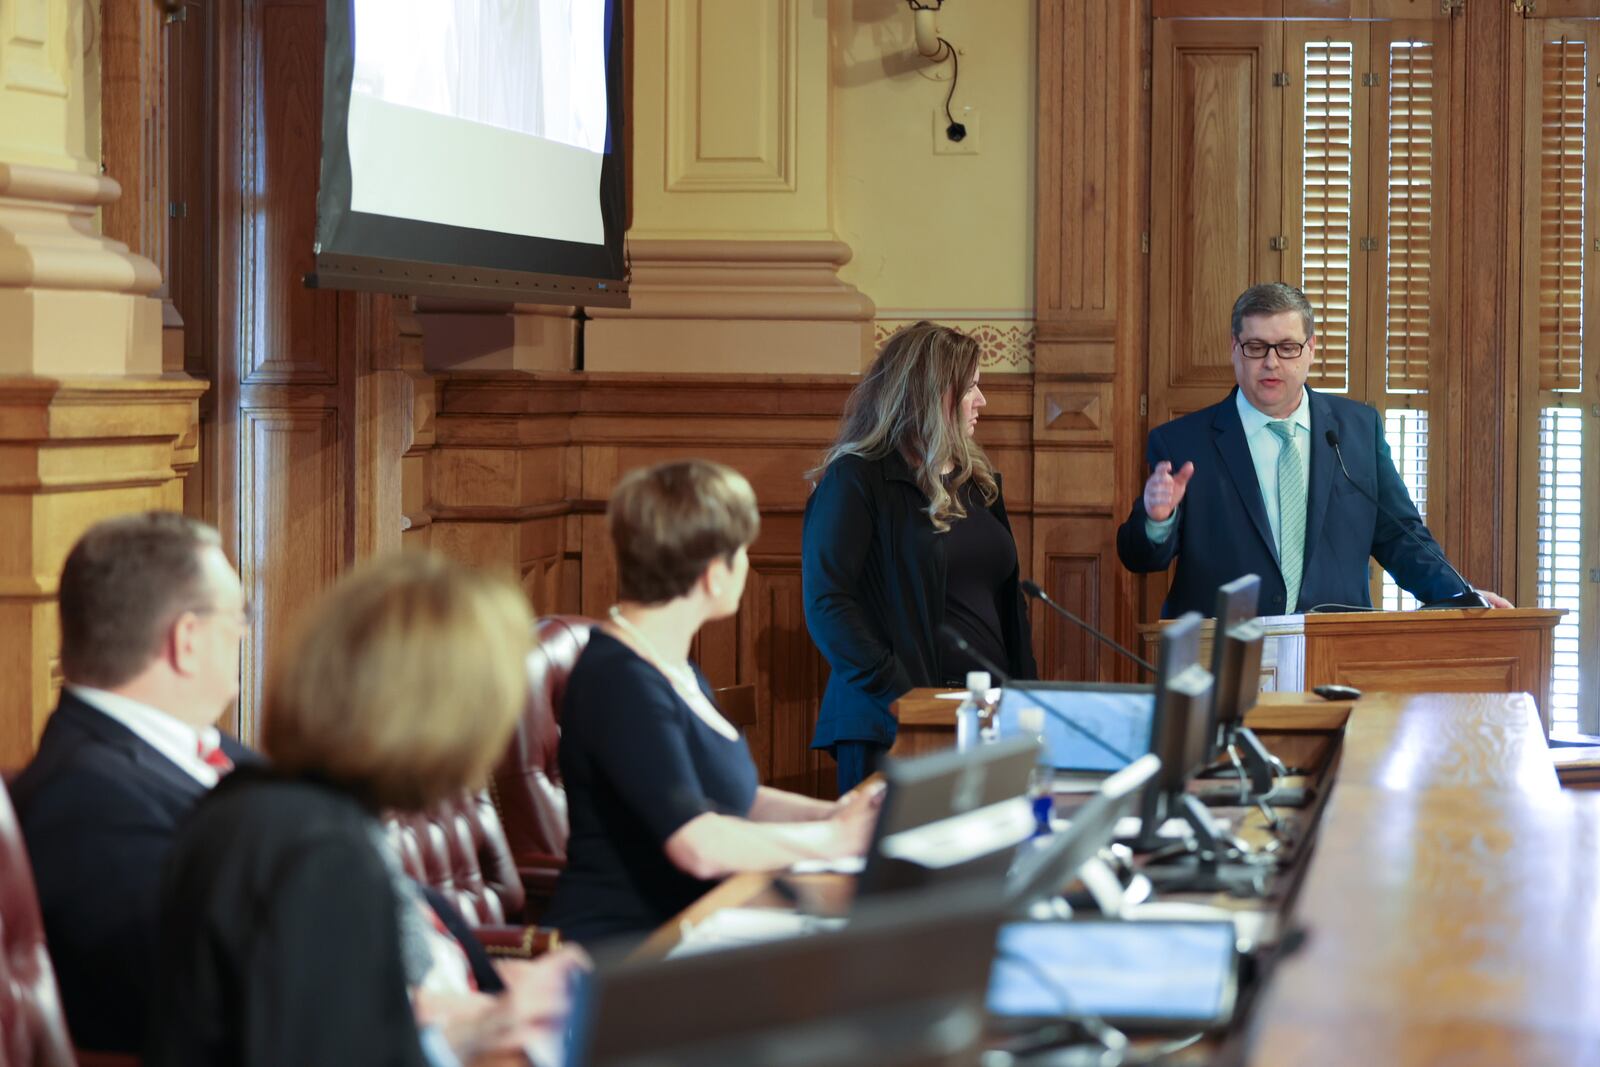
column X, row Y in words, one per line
column 968, row 145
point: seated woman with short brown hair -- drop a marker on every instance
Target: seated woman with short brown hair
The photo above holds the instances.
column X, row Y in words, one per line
column 662, row 794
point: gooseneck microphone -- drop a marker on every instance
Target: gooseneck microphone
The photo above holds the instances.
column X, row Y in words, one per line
column 951, row 634
column 1033, row 590
column 1468, row 597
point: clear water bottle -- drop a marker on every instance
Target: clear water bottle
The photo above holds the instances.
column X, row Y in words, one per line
column 1041, row 784
column 969, row 716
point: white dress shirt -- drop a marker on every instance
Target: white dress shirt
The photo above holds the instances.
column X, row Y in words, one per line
column 1264, row 449
column 173, row 738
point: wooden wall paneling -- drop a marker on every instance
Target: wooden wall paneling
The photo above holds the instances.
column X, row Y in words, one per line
column 296, row 422
column 1079, row 568
column 1088, row 370
column 191, row 270
column 291, row 526
column 1216, row 198
column 790, row 675
column 1478, row 431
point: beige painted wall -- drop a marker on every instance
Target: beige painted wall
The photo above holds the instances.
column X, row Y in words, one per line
column 942, row 236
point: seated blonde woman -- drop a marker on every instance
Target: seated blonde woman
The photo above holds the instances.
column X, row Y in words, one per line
column 288, row 934
column 662, row 795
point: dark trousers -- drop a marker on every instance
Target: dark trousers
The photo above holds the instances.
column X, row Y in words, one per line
column 857, row 760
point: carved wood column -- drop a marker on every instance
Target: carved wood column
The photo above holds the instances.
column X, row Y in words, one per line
column 1479, row 528
column 89, row 425
column 1089, row 360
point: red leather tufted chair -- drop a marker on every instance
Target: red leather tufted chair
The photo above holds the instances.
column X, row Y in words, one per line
column 33, row 1031
column 527, row 783
column 459, row 849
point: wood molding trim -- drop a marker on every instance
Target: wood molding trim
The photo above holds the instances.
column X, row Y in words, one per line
column 72, row 452
column 734, row 306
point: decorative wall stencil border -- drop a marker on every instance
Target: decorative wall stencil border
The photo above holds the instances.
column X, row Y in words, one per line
column 1007, row 343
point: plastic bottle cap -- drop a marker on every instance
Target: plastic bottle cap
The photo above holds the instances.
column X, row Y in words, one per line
column 978, row 682
column 1031, row 720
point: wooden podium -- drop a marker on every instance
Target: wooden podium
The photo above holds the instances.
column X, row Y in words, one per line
column 1468, row 650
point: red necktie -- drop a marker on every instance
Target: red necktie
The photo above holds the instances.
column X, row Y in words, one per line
column 214, row 758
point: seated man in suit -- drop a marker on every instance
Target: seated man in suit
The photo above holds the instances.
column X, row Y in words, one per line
column 152, row 615
column 1253, row 485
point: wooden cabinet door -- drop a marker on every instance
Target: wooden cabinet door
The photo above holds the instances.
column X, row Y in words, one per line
column 1216, row 198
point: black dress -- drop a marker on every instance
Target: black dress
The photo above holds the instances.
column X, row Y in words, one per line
column 638, row 764
column 280, row 941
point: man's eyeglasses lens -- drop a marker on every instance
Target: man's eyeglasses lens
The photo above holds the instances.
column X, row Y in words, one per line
column 1259, row 349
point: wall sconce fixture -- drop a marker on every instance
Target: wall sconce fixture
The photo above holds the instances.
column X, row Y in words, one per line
column 924, row 15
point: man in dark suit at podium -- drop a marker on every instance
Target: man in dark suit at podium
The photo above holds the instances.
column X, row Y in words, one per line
column 1253, row 484
column 152, row 615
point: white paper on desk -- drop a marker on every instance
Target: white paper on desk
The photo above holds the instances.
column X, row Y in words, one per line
column 733, row 927
column 1176, row 829
column 991, row 695
column 965, row 837
column 843, row 865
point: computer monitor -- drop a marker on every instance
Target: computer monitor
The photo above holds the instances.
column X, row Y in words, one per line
column 1118, row 714
column 1046, row 873
column 902, row 985
column 1235, row 660
column 1178, row 730
column 950, row 817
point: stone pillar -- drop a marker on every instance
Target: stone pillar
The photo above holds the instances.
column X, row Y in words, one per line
column 735, row 260
column 89, row 424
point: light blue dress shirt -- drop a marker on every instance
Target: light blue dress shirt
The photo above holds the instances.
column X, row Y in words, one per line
column 1264, row 448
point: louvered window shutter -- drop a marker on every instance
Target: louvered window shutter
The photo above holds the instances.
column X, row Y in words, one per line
column 1563, row 107
column 1408, row 224
column 1326, row 210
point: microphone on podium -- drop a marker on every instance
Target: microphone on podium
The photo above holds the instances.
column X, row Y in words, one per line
column 1033, row 590
column 951, row 634
column 1468, row 597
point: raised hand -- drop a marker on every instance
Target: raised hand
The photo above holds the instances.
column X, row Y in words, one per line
column 1164, row 491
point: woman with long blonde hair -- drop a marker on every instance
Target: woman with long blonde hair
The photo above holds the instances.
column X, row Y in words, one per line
column 905, row 531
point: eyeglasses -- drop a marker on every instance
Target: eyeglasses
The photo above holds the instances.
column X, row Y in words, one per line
column 1259, row 349
column 245, row 615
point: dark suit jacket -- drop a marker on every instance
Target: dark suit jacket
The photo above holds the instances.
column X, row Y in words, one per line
column 98, row 809
column 872, row 572
column 280, row 936
column 1223, row 533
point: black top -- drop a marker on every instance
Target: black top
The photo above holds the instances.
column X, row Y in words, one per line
column 280, row 937
column 873, row 574
column 99, row 807
column 979, row 556
column 638, row 764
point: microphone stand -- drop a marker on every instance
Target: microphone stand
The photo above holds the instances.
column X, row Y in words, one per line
column 1468, row 597
column 1033, row 590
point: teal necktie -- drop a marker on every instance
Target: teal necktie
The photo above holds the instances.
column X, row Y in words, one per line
column 1291, row 513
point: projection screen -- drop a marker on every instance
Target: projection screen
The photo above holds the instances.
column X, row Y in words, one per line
column 472, row 148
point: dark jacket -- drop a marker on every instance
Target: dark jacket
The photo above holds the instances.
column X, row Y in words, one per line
column 872, row 571
column 1223, row 533
column 98, row 808
column 280, row 935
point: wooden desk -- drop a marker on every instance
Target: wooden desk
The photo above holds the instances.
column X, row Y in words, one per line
column 1462, row 650
column 928, row 721
column 1451, row 903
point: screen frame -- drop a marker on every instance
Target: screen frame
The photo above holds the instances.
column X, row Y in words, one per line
column 1227, row 1001
column 380, row 253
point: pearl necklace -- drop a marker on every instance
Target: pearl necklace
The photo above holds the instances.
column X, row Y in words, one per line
column 680, row 676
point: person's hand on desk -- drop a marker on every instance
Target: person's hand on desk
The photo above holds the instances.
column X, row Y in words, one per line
column 522, row 1025
column 1164, row 490
column 1495, row 600
column 856, row 814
